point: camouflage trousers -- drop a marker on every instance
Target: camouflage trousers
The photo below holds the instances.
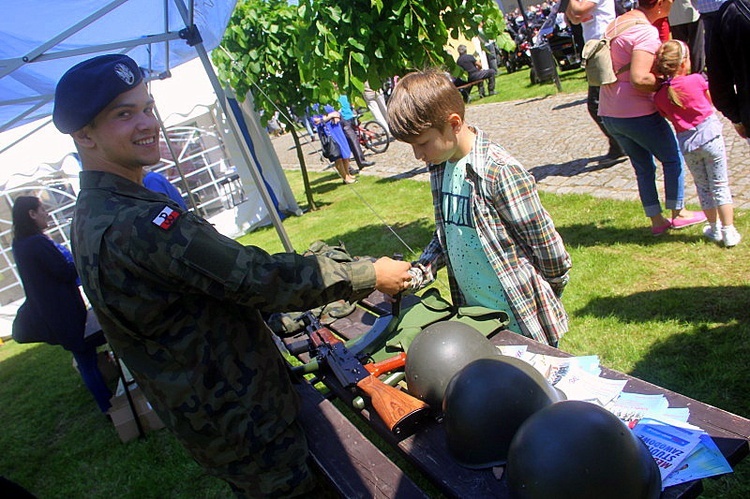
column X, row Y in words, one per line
column 278, row 470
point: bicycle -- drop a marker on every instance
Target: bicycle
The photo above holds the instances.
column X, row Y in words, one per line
column 371, row 135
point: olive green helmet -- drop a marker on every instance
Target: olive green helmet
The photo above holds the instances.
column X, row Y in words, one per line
column 437, row 353
column 576, row 449
column 486, row 402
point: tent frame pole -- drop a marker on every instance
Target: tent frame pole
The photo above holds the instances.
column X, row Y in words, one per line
column 197, row 44
column 177, row 164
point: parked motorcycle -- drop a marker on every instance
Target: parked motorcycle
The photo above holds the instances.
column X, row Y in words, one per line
column 559, row 35
column 549, row 29
column 519, row 57
column 523, row 54
column 564, row 47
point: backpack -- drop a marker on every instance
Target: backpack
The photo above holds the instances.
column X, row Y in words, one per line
column 596, row 58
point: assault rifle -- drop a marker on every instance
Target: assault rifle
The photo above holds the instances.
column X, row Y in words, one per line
column 399, row 411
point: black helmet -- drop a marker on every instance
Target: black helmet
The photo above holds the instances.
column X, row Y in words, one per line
column 437, row 353
column 486, row 402
column 576, row 449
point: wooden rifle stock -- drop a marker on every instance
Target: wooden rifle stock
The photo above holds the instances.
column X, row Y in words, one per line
column 398, row 410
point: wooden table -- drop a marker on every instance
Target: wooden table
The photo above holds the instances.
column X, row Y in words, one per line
column 427, row 451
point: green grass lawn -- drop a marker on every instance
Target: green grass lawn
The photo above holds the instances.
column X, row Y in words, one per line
column 673, row 310
column 518, row 86
column 670, row 310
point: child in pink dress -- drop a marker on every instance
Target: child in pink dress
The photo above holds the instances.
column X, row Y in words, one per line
column 684, row 100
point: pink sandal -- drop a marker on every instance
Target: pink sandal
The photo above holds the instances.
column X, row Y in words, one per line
column 682, row 222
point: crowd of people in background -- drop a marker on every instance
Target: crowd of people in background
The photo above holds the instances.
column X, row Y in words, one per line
column 635, row 123
column 656, row 79
column 689, row 21
column 339, row 124
column 622, row 110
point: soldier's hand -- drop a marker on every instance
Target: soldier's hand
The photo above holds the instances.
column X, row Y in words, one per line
column 391, row 276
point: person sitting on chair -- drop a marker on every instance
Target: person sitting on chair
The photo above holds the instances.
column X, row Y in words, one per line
column 475, row 71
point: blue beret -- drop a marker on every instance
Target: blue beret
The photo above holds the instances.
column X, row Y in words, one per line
column 88, row 87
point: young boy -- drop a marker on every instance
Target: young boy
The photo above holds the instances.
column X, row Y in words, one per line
column 492, row 233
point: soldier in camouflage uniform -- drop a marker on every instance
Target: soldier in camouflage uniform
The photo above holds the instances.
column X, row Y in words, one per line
column 180, row 303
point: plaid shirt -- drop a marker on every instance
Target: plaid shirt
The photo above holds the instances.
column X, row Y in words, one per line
column 517, row 235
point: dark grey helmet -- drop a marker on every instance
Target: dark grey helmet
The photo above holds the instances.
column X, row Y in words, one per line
column 576, row 449
column 437, row 353
column 486, row 402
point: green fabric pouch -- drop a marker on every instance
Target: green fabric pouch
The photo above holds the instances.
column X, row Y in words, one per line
column 433, row 308
column 485, row 320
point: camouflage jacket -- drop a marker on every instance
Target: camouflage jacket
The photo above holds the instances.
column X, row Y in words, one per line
column 181, row 304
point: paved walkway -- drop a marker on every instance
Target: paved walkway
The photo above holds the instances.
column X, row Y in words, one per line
column 556, row 140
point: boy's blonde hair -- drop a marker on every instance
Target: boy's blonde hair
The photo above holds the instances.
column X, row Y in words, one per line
column 422, row 100
column 668, row 60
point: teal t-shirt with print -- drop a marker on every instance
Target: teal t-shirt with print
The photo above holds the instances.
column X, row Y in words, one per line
column 475, row 276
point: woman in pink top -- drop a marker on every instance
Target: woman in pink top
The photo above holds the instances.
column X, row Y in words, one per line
column 627, row 110
column 684, row 99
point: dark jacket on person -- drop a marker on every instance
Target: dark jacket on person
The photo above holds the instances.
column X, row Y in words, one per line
column 729, row 71
column 468, row 63
column 54, row 307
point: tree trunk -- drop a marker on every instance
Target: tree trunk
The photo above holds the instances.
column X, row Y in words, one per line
column 302, row 164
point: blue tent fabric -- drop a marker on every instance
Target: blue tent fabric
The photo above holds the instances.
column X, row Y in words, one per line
column 235, row 107
column 41, row 39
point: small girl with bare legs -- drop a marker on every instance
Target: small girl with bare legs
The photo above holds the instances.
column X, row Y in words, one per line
column 684, row 100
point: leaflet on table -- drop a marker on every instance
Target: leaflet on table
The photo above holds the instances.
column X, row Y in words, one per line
column 669, row 445
column 578, row 384
column 516, row 351
column 631, row 407
column 681, row 414
column 627, row 406
column 706, row 460
column 553, row 368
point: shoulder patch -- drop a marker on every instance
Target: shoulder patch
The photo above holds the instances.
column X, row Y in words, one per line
column 166, row 218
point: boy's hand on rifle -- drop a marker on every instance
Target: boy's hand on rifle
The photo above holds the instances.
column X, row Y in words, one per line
column 391, row 276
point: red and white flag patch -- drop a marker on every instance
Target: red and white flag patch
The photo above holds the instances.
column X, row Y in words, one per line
column 166, row 218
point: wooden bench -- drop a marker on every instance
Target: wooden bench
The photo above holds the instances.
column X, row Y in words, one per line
column 426, row 449
column 465, row 89
column 353, row 465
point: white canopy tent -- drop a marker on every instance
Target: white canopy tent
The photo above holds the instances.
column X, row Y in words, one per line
column 41, row 39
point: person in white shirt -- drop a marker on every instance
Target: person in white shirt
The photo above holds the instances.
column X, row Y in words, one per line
column 594, row 16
